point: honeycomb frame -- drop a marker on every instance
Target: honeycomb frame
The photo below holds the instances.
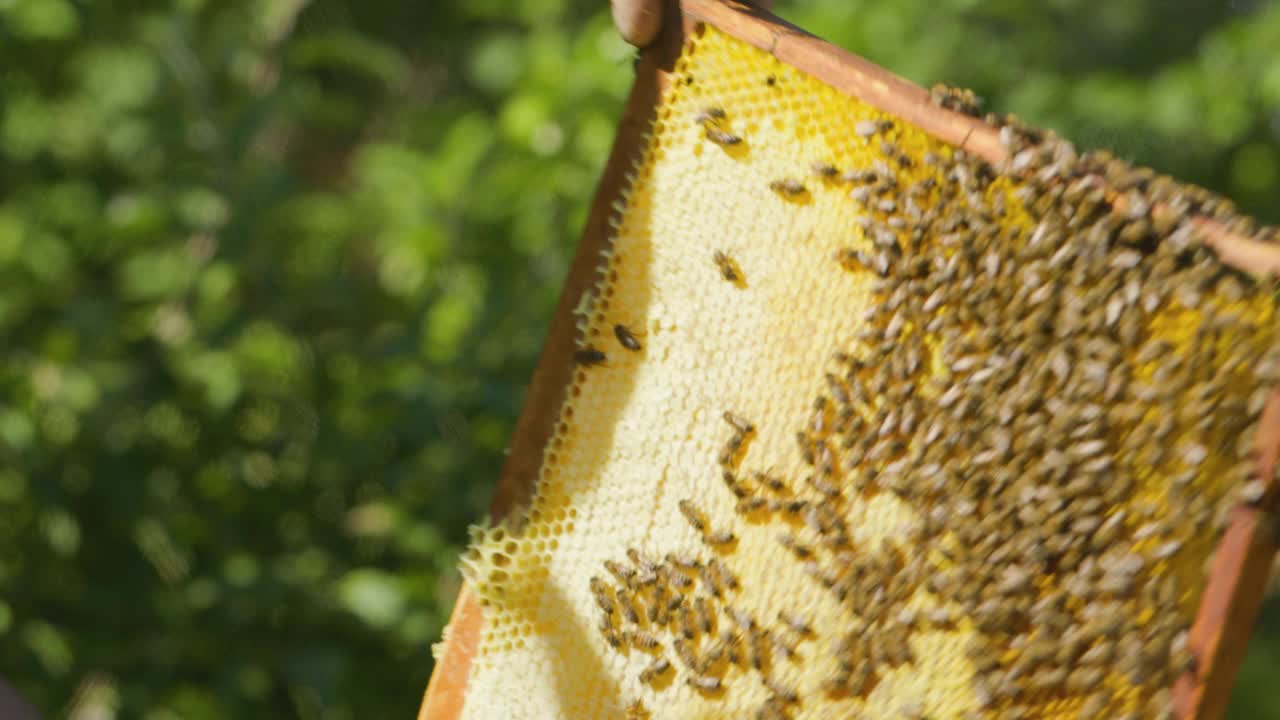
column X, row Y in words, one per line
column 1233, row 594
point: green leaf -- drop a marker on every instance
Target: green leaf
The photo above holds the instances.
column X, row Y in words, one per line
column 157, row 273
column 118, row 78
column 43, row 19
column 372, row 595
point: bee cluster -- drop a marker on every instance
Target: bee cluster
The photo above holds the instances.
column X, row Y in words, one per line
column 684, row 604
column 1018, row 385
column 1010, row 385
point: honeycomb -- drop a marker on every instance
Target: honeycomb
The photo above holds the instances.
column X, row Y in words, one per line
column 864, row 427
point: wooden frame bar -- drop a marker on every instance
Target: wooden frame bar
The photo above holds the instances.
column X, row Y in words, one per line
column 1238, row 577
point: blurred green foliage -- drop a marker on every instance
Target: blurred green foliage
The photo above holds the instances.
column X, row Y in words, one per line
column 273, row 274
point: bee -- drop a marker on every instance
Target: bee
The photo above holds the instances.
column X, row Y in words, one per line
column 735, row 487
column 680, row 580
column 686, row 653
column 636, row 710
column 657, row 609
column 729, row 269
column 655, row 670
column 589, row 356
column 1167, row 550
column 680, row 560
column 742, row 618
column 675, row 603
column 982, row 694
column 806, row 443
column 823, row 486
column 602, row 593
column 1036, row 652
column 643, row 640
column 705, row 683
column 788, row 541
column 626, row 338
column 722, row 137
column 739, row 423
column 1095, row 704
column 820, row 417
column 606, row 624
column 1252, row 492
column 794, row 507
column 786, row 648
column 772, row 709
column 646, row 577
column 839, row 389
column 912, row 711
column 730, row 642
column 747, row 506
column 941, row 617
column 1161, row 705
column 687, row 622
column 826, row 171
column 711, row 580
column 720, row 537
column 1194, row 454
column 727, row 578
column 835, row 686
column 788, row 187
column 1146, row 530
column 710, row 120
column 705, row 616
column 692, row 515
column 614, row 640
column 619, row 571
column 773, row 482
column 1088, row 448
column 781, row 691
column 628, row 609
column 645, row 565
column 755, row 651
column 826, row 462
column 854, row 260
column 795, row 622
column 732, row 448
column 1083, row 680
column 711, row 657
column 1049, row 680
column 710, row 114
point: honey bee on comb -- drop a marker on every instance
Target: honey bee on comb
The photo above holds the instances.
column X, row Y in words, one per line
column 626, row 338
column 589, row 356
column 788, row 187
column 711, row 120
column 729, row 269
